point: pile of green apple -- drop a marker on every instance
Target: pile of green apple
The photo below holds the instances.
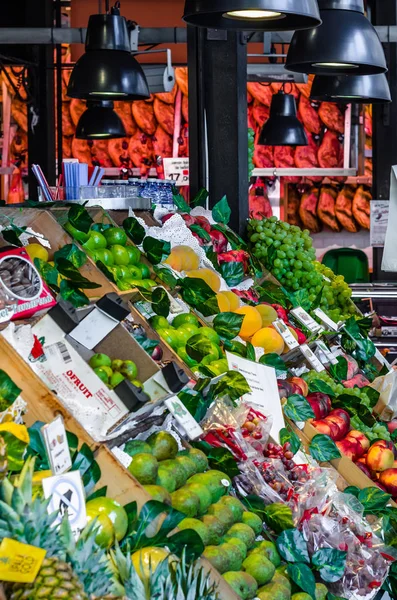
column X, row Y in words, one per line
column 113, row 372
column 122, row 259
column 178, row 334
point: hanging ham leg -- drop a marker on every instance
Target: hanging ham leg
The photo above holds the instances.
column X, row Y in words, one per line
column 344, row 209
column 361, row 207
column 331, row 116
column 165, row 115
column 143, row 114
column 294, row 201
column 309, row 116
column 262, row 93
column 118, row 152
column 326, row 207
column 330, row 153
column 308, row 210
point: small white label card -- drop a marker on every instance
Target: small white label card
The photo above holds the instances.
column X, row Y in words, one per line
column 264, row 390
column 67, row 496
column 183, row 417
column 326, row 352
column 57, row 447
column 312, row 358
column 326, row 320
column 306, row 320
column 285, row 333
column 177, row 169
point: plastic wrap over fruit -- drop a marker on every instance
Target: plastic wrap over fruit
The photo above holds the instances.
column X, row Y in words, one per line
column 315, row 492
column 251, row 481
column 387, row 387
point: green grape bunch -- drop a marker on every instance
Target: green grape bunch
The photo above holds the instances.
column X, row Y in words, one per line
column 287, row 251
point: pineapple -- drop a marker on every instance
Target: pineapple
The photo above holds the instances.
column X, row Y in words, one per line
column 70, row 570
column 173, row 581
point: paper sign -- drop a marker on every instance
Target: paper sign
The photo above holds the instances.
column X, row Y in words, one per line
column 312, row 358
column 326, row 320
column 20, row 562
column 326, row 352
column 379, row 220
column 305, row 319
column 177, row 169
column 285, row 333
column 264, row 390
column 67, row 497
column 183, row 417
column 57, row 447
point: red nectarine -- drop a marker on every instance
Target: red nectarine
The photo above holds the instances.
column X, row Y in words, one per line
column 379, row 458
column 343, row 428
column 360, row 438
column 349, row 448
column 301, row 383
column 388, row 478
column 392, row 426
column 339, row 412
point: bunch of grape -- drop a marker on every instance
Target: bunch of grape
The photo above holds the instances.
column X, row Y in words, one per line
column 337, row 388
column 336, row 297
column 251, row 150
column 291, row 258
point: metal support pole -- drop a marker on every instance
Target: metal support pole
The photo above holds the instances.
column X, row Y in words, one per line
column 225, row 86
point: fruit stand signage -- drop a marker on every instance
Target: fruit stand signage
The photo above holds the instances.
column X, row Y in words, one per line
column 57, row 446
column 177, row 169
column 19, row 562
column 184, row 418
column 67, row 497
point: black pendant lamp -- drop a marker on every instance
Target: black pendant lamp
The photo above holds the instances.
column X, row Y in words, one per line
column 283, row 127
column 269, row 15
column 100, row 122
column 345, row 43
column 107, row 70
column 345, row 89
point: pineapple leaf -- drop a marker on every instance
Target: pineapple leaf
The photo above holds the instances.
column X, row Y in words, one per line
column 147, row 532
column 66, row 535
column 6, row 490
column 25, row 480
column 17, row 501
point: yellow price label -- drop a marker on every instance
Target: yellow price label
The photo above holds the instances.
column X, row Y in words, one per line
column 19, row 562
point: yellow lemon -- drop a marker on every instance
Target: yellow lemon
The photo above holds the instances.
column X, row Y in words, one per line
column 147, row 560
column 37, row 251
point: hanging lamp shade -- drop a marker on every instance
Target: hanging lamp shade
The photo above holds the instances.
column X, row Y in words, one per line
column 345, row 43
column 269, row 15
column 345, row 89
column 283, row 127
column 108, row 70
column 99, row 122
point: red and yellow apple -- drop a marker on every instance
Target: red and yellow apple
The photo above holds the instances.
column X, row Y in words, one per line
column 301, row 383
column 379, row 458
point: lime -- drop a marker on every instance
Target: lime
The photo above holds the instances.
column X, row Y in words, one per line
column 123, row 271
column 124, row 285
column 129, row 369
column 137, row 383
column 120, row 255
column 99, row 360
column 37, row 251
column 137, row 447
column 144, row 468
column 104, row 528
column 80, row 236
column 135, row 272
column 95, row 241
column 115, row 272
column 133, row 282
column 116, row 379
column 108, row 371
column 185, row 318
column 181, row 352
column 164, row 445
column 117, row 364
column 149, row 283
column 103, row 376
column 133, row 254
column 211, row 335
column 193, row 329
column 220, row 366
column 183, row 336
column 158, row 322
column 211, row 356
column 170, row 336
column 113, row 510
column 105, row 256
column 115, row 235
column 144, row 270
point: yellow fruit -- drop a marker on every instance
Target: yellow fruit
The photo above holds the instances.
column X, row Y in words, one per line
column 251, row 323
column 234, row 300
column 18, row 431
column 174, row 261
column 268, row 339
column 286, row 349
column 37, row 251
column 183, row 258
column 210, row 277
column 147, row 560
column 267, row 313
column 223, row 302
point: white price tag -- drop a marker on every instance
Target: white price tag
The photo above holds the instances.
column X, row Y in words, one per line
column 379, row 221
column 184, row 418
column 312, row 358
column 67, row 497
column 305, row 319
column 177, row 169
column 57, row 447
column 327, row 352
column 326, row 320
column 285, row 333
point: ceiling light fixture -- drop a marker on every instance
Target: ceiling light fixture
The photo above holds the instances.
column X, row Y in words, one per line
column 100, row 122
column 108, row 69
column 283, row 127
column 345, row 43
column 346, row 89
column 269, row 15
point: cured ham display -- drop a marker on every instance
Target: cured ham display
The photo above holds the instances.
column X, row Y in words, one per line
column 141, row 150
column 284, row 159
column 293, row 206
column 119, row 152
column 361, row 207
column 162, row 143
column 326, row 207
column 100, row 154
column 259, row 205
column 306, row 156
column 309, row 116
column 344, row 209
column 164, row 115
column 124, row 111
column 260, row 113
column 143, row 113
column 262, row 93
column 330, row 153
column 308, row 210
column 331, row 116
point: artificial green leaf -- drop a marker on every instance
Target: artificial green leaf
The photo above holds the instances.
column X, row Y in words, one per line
column 232, row 384
column 106, row 271
column 255, row 267
column 198, row 346
column 79, row 218
column 288, row 436
column 272, row 293
column 232, row 273
column 323, row 449
column 275, row 361
column 255, row 504
column 16, row 438
column 331, row 563
column 200, row 198
column 160, row 302
column 209, row 307
column 372, row 394
column 365, row 326
column 251, row 355
column 292, row 546
column 352, row 489
column 84, row 460
column 181, row 204
column 365, row 349
column 72, row 253
column 373, row 500
column 301, row 298
column 278, row 517
column 101, row 227
column 211, row 256
column 150, row 511
column 221, row 212
column 134, row 230
column 317, row 385
column 194, row 403
column 68, row 270
column 101, row 493
column 70, row 292
column 235, row 347
column 48, row 272
column 196, row 291
column 331, row 596
column 11, row 236
column 202, row 233
column 236, row 242
column 339, row 371
column 228, row 324
column 219, row 459
column 91, row 478
column 166, row 276
column 8, row 390
column 156, row 250
column 188, row 541
column 303, row 577
column 298, row 408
